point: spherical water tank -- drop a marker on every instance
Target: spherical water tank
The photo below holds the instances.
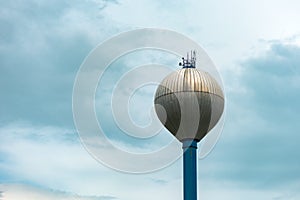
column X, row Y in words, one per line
column 189, row 102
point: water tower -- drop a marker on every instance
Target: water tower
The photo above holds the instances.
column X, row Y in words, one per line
column 189, row 102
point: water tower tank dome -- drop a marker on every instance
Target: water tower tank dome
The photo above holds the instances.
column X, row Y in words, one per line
column 187, row 95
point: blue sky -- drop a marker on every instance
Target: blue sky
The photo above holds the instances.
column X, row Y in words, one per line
column 254, row 44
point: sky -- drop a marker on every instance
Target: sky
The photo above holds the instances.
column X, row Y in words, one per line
column 255, row 46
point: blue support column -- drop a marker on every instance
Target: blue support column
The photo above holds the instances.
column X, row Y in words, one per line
column 189, row 169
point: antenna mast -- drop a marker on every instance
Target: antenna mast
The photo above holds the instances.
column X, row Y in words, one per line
column 189, row 62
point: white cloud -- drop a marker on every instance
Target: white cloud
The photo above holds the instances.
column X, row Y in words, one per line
column 229, row 30
column 53, row 158
column 48, row 156
column 21, row 192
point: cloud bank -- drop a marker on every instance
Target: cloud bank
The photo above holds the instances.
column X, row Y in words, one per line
column 17, row 192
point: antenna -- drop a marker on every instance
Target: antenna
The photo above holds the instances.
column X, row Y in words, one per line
column 189, row 62
column 194, row 58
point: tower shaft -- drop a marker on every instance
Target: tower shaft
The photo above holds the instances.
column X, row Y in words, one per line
column 190, row 169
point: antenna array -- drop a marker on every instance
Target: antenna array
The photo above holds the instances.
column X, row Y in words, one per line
column 189, row 62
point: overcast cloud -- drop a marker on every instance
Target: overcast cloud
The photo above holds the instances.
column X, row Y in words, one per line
column 255, row 45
